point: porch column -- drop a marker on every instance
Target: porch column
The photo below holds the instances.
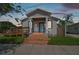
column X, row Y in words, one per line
column 30, row 25
column 46, row 25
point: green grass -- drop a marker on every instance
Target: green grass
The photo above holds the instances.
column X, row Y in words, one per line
column 11, row 39
column 57, row 40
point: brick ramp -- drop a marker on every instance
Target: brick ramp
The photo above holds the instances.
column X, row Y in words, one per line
column 36, row 38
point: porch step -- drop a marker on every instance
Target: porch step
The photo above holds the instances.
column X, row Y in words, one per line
column 36, row 38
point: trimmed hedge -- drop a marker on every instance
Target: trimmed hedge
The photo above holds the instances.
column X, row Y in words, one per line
column 11, row 40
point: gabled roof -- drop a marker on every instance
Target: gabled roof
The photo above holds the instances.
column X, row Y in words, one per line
column 39, row 11
column 54, row 18
column 11, row 20
column 24, row 19
column 74, row 24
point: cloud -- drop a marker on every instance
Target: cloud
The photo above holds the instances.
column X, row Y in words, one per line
column 71, row 5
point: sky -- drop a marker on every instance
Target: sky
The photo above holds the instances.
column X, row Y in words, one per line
column 54, row 8
column 51, row 7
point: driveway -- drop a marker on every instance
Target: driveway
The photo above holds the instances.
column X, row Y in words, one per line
column 73, row 35
column 31, row 49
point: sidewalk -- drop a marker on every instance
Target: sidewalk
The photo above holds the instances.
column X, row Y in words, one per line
column 30, row 49
column 73, row 35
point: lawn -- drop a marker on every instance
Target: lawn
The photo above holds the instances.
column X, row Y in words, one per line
column 57, row 40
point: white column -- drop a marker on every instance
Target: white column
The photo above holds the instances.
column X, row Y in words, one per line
column 46, row 25
column 30, row 25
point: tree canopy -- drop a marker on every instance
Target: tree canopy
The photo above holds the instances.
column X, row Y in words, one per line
column 10, row 7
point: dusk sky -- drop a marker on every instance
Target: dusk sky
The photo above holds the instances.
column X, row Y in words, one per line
column 51, row 7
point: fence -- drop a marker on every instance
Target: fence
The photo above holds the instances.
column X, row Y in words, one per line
column 17, row 31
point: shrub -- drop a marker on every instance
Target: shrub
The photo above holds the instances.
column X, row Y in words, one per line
column 12, row 40
column 12, row 35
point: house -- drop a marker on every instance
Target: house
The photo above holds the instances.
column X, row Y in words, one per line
column 8, row 27
column 40, row 20
column 73, row 29
column 5, row 25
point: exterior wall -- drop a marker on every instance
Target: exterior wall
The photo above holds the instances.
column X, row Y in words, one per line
column 25, row 23
column 73, row 29
column 48, row 31
column 41, row 15
column 5, row 26
column 54, row 28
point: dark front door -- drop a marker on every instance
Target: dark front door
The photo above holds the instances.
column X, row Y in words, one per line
column 41, row 27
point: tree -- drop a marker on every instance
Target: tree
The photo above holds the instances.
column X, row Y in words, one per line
column 67, row 19
column 10, row 7
column 5, row 8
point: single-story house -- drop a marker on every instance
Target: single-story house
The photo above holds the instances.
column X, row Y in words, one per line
column 73, row 29
column 40, row 20
column 7, row 26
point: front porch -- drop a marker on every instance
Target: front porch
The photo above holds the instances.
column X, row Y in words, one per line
column 38, row 24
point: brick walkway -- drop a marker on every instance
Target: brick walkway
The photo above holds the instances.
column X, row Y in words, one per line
column 36, row 38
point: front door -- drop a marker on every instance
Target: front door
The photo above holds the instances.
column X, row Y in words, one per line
column 41, row 27
column 35, row 27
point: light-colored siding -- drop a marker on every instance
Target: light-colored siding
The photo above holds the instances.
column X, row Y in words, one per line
column 49, row 31
column 54, row 28
column 73, row 29
column 25, row 23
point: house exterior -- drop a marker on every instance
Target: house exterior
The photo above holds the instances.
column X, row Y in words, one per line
column 8, row 27
column 40, row 20
column 73, row 29
column 5, row 25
